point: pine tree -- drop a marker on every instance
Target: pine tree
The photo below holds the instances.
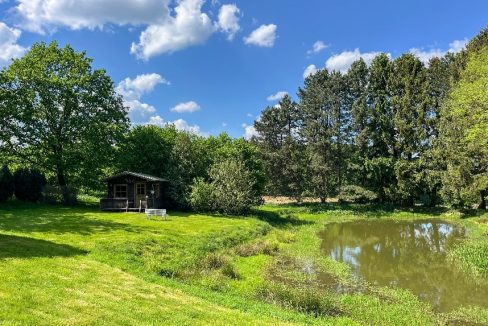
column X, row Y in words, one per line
column 283, row 149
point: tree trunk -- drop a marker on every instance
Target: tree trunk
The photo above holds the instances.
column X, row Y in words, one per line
column 60, row 176
column 483, row 200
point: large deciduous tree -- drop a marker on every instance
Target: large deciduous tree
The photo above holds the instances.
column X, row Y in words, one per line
column 60, row 114
column 464, row 132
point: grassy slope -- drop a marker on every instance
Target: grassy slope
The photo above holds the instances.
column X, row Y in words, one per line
column 80, row 266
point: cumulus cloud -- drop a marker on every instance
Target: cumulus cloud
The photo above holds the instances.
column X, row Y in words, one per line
column 343, row 61
column 249, row 131
column 43, row 15
column 425, row 55
column 310, row 70
column 9, row 49
column 186, row 107
column 142, row 84
column 139, row 111
column 133, row 89
column 179, row 124
column 229, row 20
column 189, row 26
column 317, row 47
column 263, row 36
column 278, row 96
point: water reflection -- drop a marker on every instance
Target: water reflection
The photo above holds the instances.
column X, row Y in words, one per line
column 410, row 255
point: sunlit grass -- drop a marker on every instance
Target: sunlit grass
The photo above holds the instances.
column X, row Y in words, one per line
column 82, row 266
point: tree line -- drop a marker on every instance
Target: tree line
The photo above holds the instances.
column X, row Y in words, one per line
column 397, row 131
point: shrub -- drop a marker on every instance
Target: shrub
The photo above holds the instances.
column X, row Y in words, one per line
column 357, row 194
column 59, row 195
column 29, row 184
column 6, row 184
column 202, row 196
column 233, row 187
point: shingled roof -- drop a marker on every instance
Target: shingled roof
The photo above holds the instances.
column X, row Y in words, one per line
column 143, row 176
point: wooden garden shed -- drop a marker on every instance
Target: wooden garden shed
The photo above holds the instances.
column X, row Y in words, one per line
column 131, row 191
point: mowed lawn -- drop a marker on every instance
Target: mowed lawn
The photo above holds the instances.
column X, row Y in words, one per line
column 76, row 266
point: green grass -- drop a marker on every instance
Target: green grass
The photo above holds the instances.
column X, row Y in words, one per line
column 78, row 265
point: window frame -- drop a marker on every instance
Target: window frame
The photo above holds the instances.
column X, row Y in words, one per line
column 144, row 186
column 120, row 192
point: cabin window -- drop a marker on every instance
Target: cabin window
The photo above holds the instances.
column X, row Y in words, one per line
column 120, row 191
column 141, row 189
column 156, row 190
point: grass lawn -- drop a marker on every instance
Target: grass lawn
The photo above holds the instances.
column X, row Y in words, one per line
column 82, row 266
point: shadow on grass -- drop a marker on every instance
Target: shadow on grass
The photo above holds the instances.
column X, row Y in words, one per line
column 56, row 219
column 279, row 220
column 21, row 247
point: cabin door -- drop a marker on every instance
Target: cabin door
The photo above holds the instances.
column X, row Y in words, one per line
column 140, row 193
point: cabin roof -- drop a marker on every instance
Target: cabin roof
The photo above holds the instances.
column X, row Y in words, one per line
column 143, row 176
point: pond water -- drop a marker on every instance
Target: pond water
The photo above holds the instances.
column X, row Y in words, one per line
column 410, row 255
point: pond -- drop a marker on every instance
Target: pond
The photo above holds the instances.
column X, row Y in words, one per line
column 409, row 255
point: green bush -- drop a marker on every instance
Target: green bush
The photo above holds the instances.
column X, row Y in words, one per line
column 231, row 190
column 233, row 187
column 357, row 194
column 7, row 184
column 59, row 195
column 202, row 196
column 29, row 184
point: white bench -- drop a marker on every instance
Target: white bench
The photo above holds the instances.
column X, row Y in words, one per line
column 155, row 212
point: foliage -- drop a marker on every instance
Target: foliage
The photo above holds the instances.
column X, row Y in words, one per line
column 60, row 115
column 373, row 127
column 463, row 129
column 202, row 196
column 183, row 157
column 7, row 183
column 29, row 184
column 229, row 192
column 59, row 195
column 357, row 194
column 282, row 148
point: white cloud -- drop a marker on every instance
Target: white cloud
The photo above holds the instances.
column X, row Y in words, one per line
column 229, row 20
column 249, row 131
column 9, row 49
column 457, row 45
column 318, row 47
column 263, row 36
column 157, row 121
column 425, row 55
column 179, row 124
column 310, row 70
column 187, row 107
column 138, row 111
column 133, row 89
column 343, row 61
column 189, row 26
column 44, row 15
column 278, row 96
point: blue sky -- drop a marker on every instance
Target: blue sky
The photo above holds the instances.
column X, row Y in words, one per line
column 212, row 66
